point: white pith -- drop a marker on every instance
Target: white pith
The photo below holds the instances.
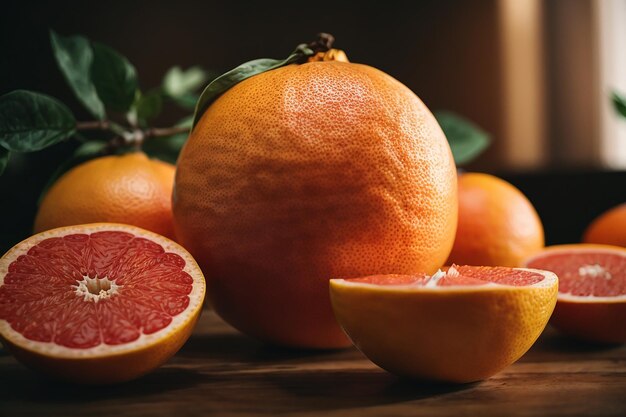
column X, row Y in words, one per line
column 196, row 296
column 96, row 289
column 434, row 279
column 593, row 270
column 548, row 280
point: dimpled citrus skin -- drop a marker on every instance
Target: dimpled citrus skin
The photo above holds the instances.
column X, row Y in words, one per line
column 609, row 228
column 307, row 172
column 130, row 189
column 451, row 334
column 497, row 226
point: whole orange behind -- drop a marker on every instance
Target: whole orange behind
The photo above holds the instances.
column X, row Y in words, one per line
column 498, row 226
column 306, row 173
column 609, row 228
column 130, row 189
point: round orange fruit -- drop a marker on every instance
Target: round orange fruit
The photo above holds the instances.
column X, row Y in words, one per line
column 462, row 325
column 592, row 290
column 307, row 172
column 609, row 228
column 497, row 226
column 98, row 303
column 130, row 189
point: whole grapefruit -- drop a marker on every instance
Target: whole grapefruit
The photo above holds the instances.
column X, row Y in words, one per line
column 498, row 225
column 306, row 173
column 130, row 189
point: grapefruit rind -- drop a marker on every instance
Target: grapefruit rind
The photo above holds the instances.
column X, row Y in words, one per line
column 196, row 297
column 455, row 334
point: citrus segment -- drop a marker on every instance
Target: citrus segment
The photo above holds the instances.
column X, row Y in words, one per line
column 592, row 291
column 98, row 292
column 462, row 325
column 306, row 172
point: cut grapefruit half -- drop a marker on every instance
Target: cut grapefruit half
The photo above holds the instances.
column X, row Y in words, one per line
column 98, row 303
column 462, row 325
column 592, row 291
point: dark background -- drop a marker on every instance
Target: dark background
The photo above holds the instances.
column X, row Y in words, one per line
column 446, row 51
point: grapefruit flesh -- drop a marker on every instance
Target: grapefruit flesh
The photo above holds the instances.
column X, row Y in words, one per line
column 462, row 325
column 308, row 172
column 98, row 303
column 592, row 290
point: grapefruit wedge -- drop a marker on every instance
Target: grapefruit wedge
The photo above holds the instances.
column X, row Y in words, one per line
column 592, row 292
column 462, row 325
column 98, row 303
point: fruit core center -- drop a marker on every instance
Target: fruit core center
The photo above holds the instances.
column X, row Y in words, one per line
column 95, row 289
column 594, row 271
column 433, row 281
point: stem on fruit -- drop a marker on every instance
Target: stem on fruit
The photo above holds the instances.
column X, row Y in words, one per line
column 323, row 42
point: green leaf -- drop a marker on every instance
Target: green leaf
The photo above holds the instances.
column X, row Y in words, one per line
column 246, row 70
column 4, row 159
column 83, row 153
column 31, row 121
column 115, row 78
column 186, row 101
column 74, row 57
column 148, row 105
column 619, row 103
column 178, row 82
column 466, row 139
column 185, row 122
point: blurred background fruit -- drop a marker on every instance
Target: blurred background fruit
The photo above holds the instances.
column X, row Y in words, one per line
column 131, row 189
column 609, row 228
column 308, row 172
column 497, row 226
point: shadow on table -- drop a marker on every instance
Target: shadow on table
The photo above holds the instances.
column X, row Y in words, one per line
column 329, row 390
column 563, row 343
column 555, row 346
column 29, row 387
column 240, row 348
column 233, row 373
column 279, row 380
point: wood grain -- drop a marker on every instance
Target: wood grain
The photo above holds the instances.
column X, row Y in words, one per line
column 222, row 373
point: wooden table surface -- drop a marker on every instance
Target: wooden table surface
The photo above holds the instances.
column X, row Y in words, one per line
column 222, row 373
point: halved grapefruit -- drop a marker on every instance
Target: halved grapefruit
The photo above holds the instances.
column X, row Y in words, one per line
column 98, row 303
column 462, row 325
column 592, row 291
